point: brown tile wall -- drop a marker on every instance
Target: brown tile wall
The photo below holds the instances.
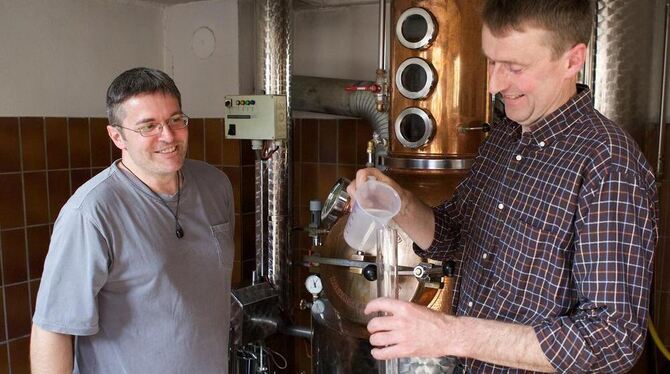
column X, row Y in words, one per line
column 323, row 151
column 42, row 162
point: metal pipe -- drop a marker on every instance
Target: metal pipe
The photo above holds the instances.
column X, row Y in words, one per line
column 329, row 95
column 273, row 73
column 381, row 65
column 661, row 119
column 298, row 331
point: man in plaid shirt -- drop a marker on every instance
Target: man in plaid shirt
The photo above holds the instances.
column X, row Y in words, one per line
column 555, row 225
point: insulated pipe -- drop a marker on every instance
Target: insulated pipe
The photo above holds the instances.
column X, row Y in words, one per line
column 328, row 95
column 273, row 72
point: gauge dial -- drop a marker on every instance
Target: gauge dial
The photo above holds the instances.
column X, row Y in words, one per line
column 313, row 284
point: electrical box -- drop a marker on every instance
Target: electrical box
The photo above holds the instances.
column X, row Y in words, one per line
column 259, row 117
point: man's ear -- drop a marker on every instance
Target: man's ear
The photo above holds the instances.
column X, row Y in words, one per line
column 575, row 58
column 116, row 136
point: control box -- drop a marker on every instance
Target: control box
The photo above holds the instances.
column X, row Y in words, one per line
column 255, row 117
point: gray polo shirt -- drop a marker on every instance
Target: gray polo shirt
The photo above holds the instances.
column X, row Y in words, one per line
column 139, row 299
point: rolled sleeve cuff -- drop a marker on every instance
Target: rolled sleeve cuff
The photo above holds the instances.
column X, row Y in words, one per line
column 563, row 346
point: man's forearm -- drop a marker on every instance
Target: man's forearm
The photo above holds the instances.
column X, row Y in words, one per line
column 502, row 343
column 417, row 220
column 50, row 352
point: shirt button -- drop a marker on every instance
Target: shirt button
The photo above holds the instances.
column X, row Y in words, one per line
column 470, row 304
column 518, row 157
column 500, row 206
column 484, row 256
column 541, row 144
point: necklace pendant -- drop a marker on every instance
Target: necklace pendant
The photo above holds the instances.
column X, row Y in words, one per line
column 179, row 232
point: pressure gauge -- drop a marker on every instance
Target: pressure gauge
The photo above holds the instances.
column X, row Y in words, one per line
column 313, row 284
column 318, row 307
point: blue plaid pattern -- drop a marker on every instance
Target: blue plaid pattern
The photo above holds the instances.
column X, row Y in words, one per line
column 555, row 228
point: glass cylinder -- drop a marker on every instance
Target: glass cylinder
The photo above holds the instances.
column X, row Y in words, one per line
column 387, row 279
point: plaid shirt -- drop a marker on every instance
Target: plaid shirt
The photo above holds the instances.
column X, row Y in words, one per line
column 556, row 230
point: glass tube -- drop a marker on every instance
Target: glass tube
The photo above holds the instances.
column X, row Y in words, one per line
column 387, row 279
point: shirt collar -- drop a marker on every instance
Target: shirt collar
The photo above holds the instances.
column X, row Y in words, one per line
column 545, row 130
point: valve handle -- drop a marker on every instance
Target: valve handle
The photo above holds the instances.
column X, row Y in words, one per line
column 374, row 88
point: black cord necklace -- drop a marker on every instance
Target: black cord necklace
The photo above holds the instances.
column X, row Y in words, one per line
column 177, row 227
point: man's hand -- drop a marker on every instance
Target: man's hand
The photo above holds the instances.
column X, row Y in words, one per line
column 409, row 330
column 415, row 217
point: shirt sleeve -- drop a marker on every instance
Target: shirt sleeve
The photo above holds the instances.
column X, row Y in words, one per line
column 615, row 235
column 75, row 269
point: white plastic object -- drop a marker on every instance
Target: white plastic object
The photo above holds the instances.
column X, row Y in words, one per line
column 387, row 279
column 376, row 203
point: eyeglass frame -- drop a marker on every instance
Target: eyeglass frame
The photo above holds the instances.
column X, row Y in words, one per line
column 160, row 125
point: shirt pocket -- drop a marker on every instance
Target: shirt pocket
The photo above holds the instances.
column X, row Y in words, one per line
column 225, row 246
column 527, row 269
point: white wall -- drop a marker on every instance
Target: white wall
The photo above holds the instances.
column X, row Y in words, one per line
column 203, row 82
column 58, row 57
column 337, row 42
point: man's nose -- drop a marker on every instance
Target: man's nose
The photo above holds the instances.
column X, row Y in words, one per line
column 498, row 79
column 167, row 134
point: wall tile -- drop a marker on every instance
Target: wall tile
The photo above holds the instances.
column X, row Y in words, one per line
column 248, row 189
column 310, row 180
column 3, row 331
column 10, row 151
column 346, row 171
column 310, row 140
column 662, row 320
column 11, row 201
column 32, row 143
column 79, row 177
column 248, row 237
column 37, row 202
column 328, row 140
column 38, row 245
column 18, row 310
column 231, row 152
column 196, row 139
column 116, row 152
column 248, row 266
column 327, row 177
column 234, row 174
column 59, row 192
column 213, row 139
column 57, row 143
column 346, row 141
column 80, row 148
column 247, row 155
column 4, row 359
column 14, row 256
column 19, row 351
column 297, row 140
column 101, row 152
column 34, row 287
column 363, row 135
column 238, row 237
column 297, row 183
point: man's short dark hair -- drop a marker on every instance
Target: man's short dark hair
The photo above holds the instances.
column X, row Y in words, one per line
column 135, row 82
column 569, row 21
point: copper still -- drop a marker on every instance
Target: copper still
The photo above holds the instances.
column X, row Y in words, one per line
column 439, row 114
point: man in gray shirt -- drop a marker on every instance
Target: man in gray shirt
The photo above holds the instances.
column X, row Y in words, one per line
column 140, row 260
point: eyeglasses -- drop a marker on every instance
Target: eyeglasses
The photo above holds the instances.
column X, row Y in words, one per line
column 156, row 128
